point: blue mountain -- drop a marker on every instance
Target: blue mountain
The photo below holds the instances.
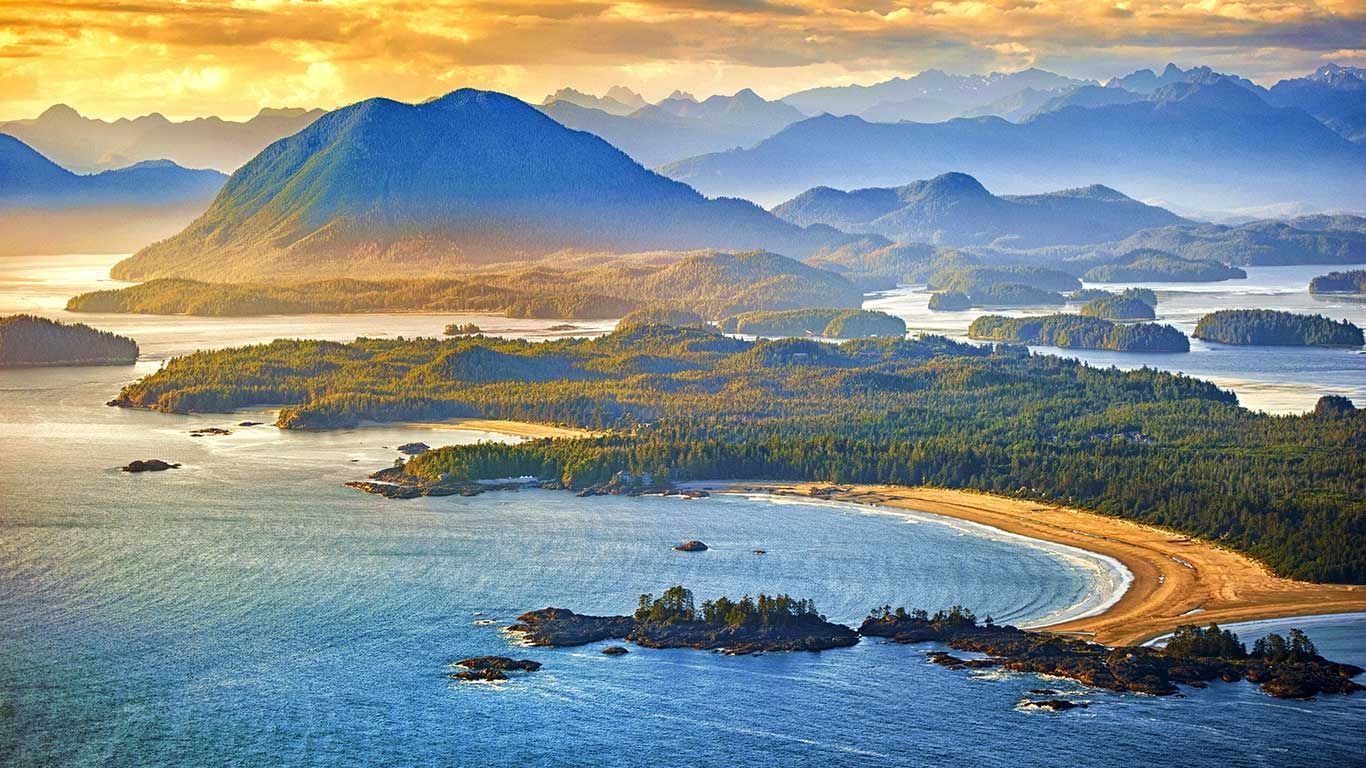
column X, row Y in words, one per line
column 473, row 177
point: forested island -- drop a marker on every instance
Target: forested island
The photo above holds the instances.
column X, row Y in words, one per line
column 29, row 340
column 1080, row 332
column 1349, row 282
column 674, row 620
column 1002, row 286
column 692, row 403
column 1149, row 265
column 829, row 323
column 712, row 284
column 1275, row 328
column 1123, row 306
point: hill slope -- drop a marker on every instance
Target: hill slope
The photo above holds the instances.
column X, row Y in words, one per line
column 1211, row 144
column 954, row 209
column 44, row 208
column 472, row 177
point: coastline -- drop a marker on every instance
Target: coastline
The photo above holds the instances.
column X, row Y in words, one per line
column 1173, row 579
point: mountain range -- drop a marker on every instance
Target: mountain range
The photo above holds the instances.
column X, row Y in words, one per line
column 680, row 126
column 1210, row 143
column 931, row 96
column 84, row 144
column 45, row 208
column 955, row 210
column 472, row 177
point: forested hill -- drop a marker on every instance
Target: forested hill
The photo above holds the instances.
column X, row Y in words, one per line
column 692, row 403
column 472, row 177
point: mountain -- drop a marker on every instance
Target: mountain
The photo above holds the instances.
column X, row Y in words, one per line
column 930, row 96
column 1333, row 94
column 955, row 210
column 1147, row 82
column 608, row 103
column 1210, row 144
column 44, row 208
column 680, row 127
column 1017, row 106
column 1089, row 97
column 84, row 144
column 472, row 177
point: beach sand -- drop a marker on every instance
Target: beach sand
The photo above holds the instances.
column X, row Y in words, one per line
column 1176, row 579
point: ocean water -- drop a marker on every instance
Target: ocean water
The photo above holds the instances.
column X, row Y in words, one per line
column 247, row 609
column 1272, row 379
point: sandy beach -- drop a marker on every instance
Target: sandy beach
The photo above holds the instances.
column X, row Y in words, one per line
column 1176, row 579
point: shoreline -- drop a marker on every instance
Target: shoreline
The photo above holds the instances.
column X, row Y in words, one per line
column 500, row 427
column 1173, row 579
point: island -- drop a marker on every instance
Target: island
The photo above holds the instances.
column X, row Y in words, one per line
column 462, row 329
column 149, row 465
column 831, row 323
column 1149, row 265
column 29, row 340
column 1131, row 304
column 1080, row 332
column 1283, row 667
column 1351, row 282
column 1000, row 286
column 673, row 620
column 692, row 545
column 1267, row 327
column 714, row 285
column 950, row 301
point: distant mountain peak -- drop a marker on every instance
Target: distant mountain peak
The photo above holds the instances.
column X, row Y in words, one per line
column 682, row 95
column 60, row 112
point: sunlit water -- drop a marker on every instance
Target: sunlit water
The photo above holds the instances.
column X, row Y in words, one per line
column 1273, row 379
column 247, row 609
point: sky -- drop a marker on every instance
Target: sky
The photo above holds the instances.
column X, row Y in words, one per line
column 187, row 58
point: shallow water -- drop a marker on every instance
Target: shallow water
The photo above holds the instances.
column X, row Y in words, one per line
column 247, row 609
column 1272, row 379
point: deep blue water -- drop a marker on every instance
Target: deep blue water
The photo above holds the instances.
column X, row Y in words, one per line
column 248, row 610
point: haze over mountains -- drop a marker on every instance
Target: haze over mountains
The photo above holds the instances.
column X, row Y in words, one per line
column 473, row 177
column 677, row 127
column 45, row 208
column 84, row 144
column 954, row 209
column 1210, row 143
column 929, row 97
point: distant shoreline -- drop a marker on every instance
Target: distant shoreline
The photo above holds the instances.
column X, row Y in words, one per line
column 503, row 427
column 1175, row 579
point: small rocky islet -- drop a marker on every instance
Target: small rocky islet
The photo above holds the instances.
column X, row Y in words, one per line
column 491, row 668
column 1194, row 656
column 149, row 465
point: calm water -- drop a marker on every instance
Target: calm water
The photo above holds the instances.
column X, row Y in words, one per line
column 1273, row 379
column 249, row 610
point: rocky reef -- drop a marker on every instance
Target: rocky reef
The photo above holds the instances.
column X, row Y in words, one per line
column 691, row 545
column 149, row 465
column 1194, row 657
column 491, row 668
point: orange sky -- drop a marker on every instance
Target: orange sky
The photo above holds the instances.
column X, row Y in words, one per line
column 184, row 58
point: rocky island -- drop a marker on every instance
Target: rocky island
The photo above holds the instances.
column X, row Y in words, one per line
column 747, row 625
column 491, row 668
column 29, row 340
column 1283, row 667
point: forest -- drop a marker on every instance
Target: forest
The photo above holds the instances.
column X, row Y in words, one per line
column 1273, row 327
column 691, row 403
column 1149, row 265
column 828, row 323
column 1351, row 281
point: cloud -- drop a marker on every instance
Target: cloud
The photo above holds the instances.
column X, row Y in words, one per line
column 191, row 57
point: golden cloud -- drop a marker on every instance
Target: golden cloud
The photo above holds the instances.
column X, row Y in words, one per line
column 190, row 57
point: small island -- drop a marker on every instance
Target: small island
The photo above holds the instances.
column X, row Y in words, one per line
column 1132, row 304
column 1283, row 667
column 29, row 340
column 692, row 545
column 1080, row 332
column 1149, row 265
column 747, row 625
column 1267, row 327
column 462, row 329
column 491, row 668
column 1002, row 286
column 1351, row 282
column 149, row 465
column 831, row 323
column 950, row 301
